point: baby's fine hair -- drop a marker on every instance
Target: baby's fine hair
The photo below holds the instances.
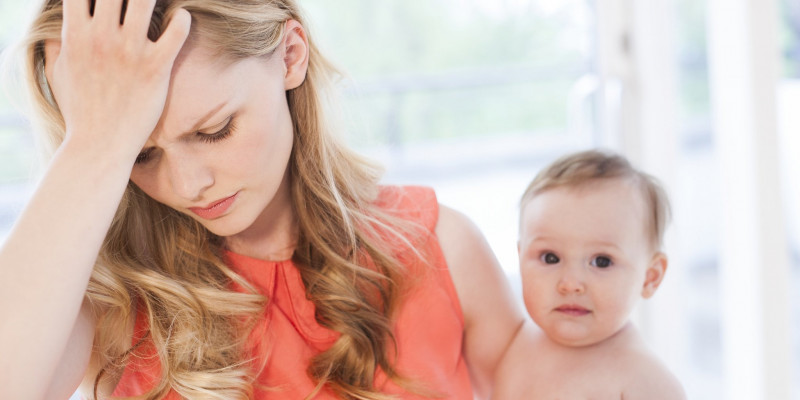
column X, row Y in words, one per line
column 579, row 169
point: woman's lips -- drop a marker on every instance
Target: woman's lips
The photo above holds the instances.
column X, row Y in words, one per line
column 216, row 209
column 573, row 310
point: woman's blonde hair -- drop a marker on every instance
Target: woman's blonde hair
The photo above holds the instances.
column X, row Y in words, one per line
column 582, row 168
column 169, row 266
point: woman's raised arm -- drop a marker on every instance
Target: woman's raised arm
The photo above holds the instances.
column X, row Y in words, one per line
column 491, row 315
column 110, row 83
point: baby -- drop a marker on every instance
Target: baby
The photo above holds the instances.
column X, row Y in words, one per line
column 591, row 229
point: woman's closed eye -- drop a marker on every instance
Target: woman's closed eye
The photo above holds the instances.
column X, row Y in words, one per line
column 212, row 137
column 144, row 156
column 221, row 134
column 602, row 262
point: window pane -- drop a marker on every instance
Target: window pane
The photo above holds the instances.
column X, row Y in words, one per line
column 464, row 95
column 17, row 153
column 790, row 38
column 451, row 69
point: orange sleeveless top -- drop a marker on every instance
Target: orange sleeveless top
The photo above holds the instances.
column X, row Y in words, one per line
column 428, row 328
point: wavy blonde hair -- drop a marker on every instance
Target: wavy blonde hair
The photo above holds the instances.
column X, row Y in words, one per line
column 170, row 267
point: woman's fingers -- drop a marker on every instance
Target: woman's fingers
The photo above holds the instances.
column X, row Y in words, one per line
column 107, row 13
column 111, row 81
column 138, row 15
column 76, row 12
column 175, row 35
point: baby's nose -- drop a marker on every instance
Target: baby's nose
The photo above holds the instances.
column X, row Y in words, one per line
column 571, row 284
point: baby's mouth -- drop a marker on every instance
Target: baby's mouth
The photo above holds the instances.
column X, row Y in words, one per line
column 573, row 310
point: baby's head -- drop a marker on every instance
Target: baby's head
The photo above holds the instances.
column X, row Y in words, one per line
column 591, row 231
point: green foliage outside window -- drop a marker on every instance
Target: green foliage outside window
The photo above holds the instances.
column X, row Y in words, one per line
column 447, row 69
column 790, row 38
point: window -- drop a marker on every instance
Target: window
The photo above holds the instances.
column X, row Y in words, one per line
column 17, row 153
column 468, row 96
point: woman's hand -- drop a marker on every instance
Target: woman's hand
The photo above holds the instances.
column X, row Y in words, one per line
column 109, row 80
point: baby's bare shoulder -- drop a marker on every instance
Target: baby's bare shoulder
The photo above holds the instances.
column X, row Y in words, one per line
column 647, row 377
column 535, row 369
column 520, row 362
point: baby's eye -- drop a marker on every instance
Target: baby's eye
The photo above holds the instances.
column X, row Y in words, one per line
column 601, row 262
column 550, row 258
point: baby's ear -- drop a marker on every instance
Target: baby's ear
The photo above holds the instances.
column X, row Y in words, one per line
column 654, row 275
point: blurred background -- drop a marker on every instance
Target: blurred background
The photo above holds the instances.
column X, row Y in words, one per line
column 473, row 97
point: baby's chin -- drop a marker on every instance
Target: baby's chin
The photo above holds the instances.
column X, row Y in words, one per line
column 569, row 341
column 577, row 337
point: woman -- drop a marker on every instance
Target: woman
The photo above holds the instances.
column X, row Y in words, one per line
column 243, row 253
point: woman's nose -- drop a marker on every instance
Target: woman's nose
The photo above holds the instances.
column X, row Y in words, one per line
column 188, row 177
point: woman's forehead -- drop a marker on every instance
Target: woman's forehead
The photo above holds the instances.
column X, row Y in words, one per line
column 197, row 78
column 198, row 85
column 200, row 82
column 201, row 58
column 198, row 50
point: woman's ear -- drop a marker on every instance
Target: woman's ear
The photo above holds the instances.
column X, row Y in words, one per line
column 52, row 48
column 295, row 54
column 654, row 275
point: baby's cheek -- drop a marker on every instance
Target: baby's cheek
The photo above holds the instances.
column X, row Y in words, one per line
column 620, row 307
column 534, row 295
column 531, row 284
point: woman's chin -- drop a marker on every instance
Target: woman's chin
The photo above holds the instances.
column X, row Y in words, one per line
column 224, row 226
